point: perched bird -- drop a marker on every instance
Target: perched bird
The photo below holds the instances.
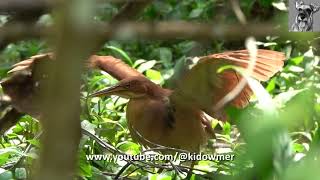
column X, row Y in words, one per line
column 158, row 116
column 176, row 117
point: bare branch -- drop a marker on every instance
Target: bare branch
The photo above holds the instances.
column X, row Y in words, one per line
column 196, row 31
column 19, row 31
column 24, row 6
column 162, row 31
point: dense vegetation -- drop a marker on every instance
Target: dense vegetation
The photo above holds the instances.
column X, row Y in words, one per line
column 281, row 139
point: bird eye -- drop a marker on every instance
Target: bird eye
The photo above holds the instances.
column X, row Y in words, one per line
column 127, row 86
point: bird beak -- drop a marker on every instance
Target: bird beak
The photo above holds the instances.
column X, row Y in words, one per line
column 113, row 90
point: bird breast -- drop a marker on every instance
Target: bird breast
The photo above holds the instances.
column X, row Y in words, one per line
column 165, row 123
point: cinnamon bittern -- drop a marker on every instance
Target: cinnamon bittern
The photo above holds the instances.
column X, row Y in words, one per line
column 176, row 117
column 168, row 117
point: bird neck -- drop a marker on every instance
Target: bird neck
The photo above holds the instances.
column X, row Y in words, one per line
column 154, row 91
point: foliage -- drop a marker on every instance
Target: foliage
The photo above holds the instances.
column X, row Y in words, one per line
column 282, row 142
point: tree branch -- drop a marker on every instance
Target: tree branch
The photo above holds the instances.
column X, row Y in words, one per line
column 162, row 31
column 14, row 32
column 24, row 6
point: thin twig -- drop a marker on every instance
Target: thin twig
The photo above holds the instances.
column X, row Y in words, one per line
column 122, row 170
column 158, row 147
column 114, row 150
column 238, row 12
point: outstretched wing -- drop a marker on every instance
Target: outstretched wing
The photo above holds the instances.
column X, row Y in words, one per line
column 26, row 78
column 115, row 67
column 203, row 87
column 23, row 83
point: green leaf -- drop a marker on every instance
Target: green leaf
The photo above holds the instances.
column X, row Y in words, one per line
column 18, row 128
column 85, row 124
column 265, row 3
column 138, row 62
column 129, row 147
column 296, row 69
column 269, row 44
column 283, row 98
column 127, row 59
column 146, row 66
column 186, row 47
column 155, row 76
column 162, row 7
column 227, row 128
column 165, row 54
column 106, row 121
column 297, row 60
column 206, row 166
column 298, row 147
column 5, row 174
column 271, row 85
column 159, row 177
column 196, row 13
column 20, row 173
column 84, row 166
column 280, row 5
column 4, row 158
column 11, row 150
column 34, row 142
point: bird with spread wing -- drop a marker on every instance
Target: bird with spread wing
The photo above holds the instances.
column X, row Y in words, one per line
column 155, row 115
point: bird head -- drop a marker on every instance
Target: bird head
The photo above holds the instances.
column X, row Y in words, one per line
column 132, row 87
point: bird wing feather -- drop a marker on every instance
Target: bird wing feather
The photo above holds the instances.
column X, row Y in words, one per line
column 115, row 67
column 26, row 77
column 203, row 87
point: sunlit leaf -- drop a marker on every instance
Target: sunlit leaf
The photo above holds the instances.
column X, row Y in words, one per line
column 85, row 124
column 280, row 5
column 296, row 69
column 271, row 85
column 146, row 66
column 129, row 147
column 154, row 76
column 297, row 60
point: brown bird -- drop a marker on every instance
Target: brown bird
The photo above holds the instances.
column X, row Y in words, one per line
column 176, row 118
column 158, row 116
